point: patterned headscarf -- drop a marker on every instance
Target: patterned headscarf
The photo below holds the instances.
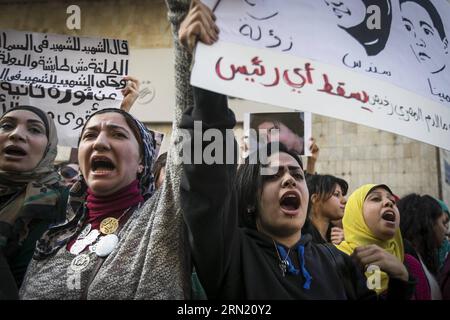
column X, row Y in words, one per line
column 357, row 233
column 76, row 213
column 30, row 191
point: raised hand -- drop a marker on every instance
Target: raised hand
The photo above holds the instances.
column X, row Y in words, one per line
column 198, row 25
column 130, row 93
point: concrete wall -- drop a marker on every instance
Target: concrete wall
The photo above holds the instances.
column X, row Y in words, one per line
column 142, row 22
column 364, row 155
column 356, row 153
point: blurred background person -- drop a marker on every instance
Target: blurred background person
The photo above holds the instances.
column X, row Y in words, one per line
column 69, row 173
column 424, row 226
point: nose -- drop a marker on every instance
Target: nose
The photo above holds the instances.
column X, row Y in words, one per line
column 18, row 134
column 101, row 143
column 288, row 181
column 343, row 200
column 388, row 203
column 420, row 42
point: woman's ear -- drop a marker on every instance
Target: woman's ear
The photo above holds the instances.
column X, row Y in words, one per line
column 314, row 198
column 140, row 168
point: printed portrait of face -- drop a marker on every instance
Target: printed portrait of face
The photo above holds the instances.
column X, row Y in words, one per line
column 357, row 17
column 426, row 33
column 287, row 128
column 348, row 13
column 280, row 132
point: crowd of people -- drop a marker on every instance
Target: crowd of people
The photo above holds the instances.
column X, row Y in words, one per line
column 122, row 224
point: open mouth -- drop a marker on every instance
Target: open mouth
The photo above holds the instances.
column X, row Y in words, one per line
column 290, row 201
column 14, row 151
column 388, row 216
column 102, row 164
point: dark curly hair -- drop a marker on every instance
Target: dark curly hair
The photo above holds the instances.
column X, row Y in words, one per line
column 418, row 215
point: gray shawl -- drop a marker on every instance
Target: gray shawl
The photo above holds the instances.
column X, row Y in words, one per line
column 152, row 259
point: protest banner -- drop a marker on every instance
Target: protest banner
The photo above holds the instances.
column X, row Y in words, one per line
column 69, row 77
column 378, row 63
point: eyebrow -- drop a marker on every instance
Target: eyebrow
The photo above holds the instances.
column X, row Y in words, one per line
column 405, row 19
column 108, row 126
column 290, row 168
column 33, row 121
column 379, row 193
column 424, row 23
column 36, row 121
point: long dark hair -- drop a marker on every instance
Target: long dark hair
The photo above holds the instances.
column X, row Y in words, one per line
column 323, row 186
column 249, row 183
column 418, row 215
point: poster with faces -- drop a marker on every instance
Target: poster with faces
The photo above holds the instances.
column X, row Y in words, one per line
column 379, row 63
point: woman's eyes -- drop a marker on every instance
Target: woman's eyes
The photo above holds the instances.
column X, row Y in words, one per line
column 6, row 126
column 377, row 199
column 88, row 135
column 36, row 130
column 297, row 175
column 274, row 176
column 119, row 135
column 428, row 31
column 91, row 135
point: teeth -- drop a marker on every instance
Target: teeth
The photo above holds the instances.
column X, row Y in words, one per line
column 102, row 171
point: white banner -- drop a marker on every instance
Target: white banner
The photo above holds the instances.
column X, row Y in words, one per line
column 378, row 63
column 69, row 77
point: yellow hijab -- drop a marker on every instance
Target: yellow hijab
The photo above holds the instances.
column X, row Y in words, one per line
column 358, row 234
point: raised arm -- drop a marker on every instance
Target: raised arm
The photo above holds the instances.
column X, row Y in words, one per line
column 167, row 267
column 207, row 188
column 207, row 197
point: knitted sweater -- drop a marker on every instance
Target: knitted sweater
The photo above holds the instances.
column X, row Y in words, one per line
column 152, row 259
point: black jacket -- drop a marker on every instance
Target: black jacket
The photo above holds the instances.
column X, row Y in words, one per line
column 240, row 263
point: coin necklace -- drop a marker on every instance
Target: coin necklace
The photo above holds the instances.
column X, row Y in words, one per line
column 102, row 246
